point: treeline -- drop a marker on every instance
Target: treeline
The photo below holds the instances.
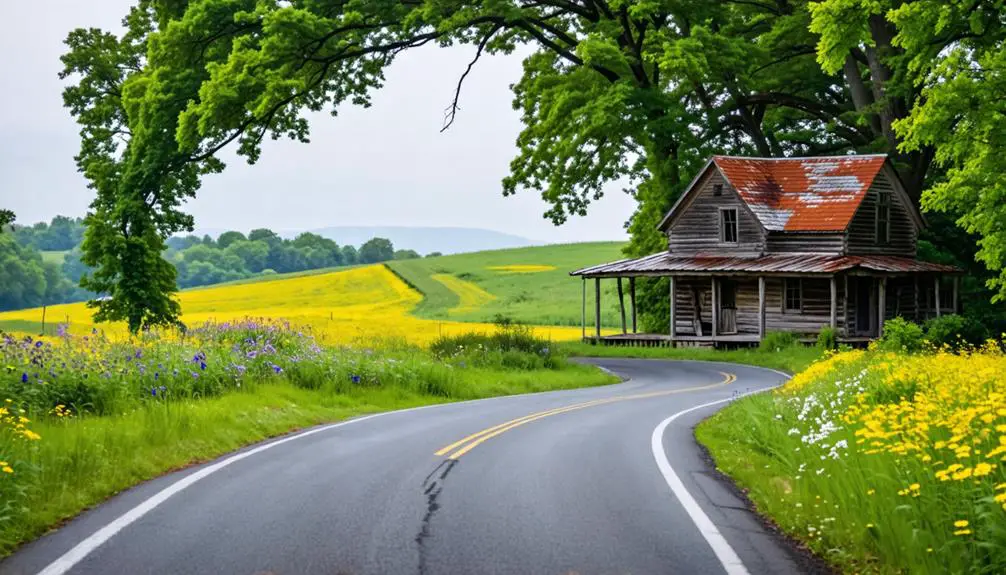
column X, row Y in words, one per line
column 29, row 278
column 232, row 255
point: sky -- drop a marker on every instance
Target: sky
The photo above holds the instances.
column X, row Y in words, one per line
column 385, row 165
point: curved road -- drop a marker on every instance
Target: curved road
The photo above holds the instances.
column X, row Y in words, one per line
column 573, row 482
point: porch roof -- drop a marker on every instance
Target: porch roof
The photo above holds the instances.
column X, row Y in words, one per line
column 665, row 263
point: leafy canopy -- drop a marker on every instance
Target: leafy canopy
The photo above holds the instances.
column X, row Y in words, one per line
column 637, row 91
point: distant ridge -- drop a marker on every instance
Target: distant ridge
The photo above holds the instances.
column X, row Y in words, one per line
column 448, row 240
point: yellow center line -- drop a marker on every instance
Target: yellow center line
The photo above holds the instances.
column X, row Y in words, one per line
column 472, row 441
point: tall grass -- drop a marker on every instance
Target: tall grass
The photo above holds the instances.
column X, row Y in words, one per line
column 880, row 462
column 82, row 418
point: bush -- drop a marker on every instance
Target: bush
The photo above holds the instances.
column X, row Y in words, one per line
column 778, row 341
column 901, row 335
column 955, row 331
column 511, row 346
column 827, row 338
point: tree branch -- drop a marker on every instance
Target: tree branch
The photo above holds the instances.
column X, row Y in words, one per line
column 453, row 109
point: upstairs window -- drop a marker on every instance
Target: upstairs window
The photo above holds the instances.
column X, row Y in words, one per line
column 728, row 226
column 883, row 217
column 793, row 298
column 717, row 189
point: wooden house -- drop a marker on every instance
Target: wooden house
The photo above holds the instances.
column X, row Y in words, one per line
column 786, row 244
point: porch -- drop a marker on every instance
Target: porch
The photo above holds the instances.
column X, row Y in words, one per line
column 723, row 302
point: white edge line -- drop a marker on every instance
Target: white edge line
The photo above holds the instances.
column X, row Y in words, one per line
column 731, row 562
column 80, row 551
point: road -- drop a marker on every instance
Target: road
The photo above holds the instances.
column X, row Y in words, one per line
column 564, row 482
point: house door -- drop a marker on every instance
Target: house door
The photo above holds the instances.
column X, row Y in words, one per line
column 728, row 307
column 865, row 311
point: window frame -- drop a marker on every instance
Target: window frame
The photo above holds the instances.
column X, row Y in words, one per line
column 884, row 200
column 785, row 294
column 718, row 189
column 723, row 226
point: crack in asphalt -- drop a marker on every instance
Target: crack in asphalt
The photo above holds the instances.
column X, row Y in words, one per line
column 432, row 488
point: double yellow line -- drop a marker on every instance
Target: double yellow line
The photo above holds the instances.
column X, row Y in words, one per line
column 463, row 446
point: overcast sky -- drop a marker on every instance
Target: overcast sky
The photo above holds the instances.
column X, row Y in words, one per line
column 386, row 165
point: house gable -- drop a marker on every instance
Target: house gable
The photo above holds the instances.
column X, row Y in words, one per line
column 694, row 226
column 904, row 220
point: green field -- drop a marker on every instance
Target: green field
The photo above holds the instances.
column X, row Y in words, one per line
column 549, row 297
column 54, row 257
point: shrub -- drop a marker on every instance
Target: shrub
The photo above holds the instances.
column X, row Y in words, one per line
column 955, row 331
column 778, row 341
column 827, row 338
column 511, row 346
column 901, row 335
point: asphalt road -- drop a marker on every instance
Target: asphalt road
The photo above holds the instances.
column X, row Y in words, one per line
column 556, row 483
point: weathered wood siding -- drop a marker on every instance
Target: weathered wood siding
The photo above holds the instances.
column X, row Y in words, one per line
column 798, row 242
column 862, row 232
column 816, row 312
column 697, row 228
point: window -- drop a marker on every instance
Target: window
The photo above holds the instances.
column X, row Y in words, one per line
column 883, row 217
column 794, row 294
column 728, row 226
column 717, row 189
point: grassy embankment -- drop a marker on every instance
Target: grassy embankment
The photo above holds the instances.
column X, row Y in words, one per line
column 101, row 415
column 879, row 462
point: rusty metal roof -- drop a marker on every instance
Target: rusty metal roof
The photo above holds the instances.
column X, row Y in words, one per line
column 665, row 262
column 802, row 194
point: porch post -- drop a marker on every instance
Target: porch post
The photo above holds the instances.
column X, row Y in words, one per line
column 956, row 282
column 918, row 313
column 937, row 283
column 761, row 307
column 621, row 304
column 845, row 305
column 597, row 308
column 834, row 302
column 632, row 297
column 674, row 297
column 882, row 305
column 716, row 307
column 583, row 309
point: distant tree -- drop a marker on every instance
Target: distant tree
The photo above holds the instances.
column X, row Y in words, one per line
column 73, row 266
column 350, row 256
column 22, row 276
column 209, row 241
column 253, row 254
column 434, row 255
column 180, row 243
column 228, row 238
column 407, row 255
column 6, row 219
column 285, row 258
column 376, row 250
column 265, row 235
column 58, row 288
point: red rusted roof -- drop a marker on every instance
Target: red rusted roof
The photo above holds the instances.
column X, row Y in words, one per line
column 802, row 194
column 665, row 262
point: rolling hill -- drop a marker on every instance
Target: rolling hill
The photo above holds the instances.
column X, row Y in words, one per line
column 415, row 300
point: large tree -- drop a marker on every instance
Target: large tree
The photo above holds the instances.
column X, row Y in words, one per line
column 637, row 90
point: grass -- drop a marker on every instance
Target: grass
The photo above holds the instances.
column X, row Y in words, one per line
column 879, row 462
column 790, row 359
column 530, row 285
column 357, row 305
column 55, row 257
column 86, row 417
column 85, row 460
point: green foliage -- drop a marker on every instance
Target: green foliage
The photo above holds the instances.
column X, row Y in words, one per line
column 376, row 250
column 406, row 255
column 511, row 346
column 60, row 234
column 778, row 341
column 628, row 93
column 7, row 218
column 228, row 238
column 955, row 331
column 827, row 338
column 902, row 336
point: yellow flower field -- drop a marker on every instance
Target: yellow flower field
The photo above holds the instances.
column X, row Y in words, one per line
column 471, row 297
column 357, row 305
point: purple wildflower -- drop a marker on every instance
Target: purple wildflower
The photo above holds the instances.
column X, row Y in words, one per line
column 24, row 378
column 251, row 354
column 277, row 368
column 202, row 365
column 153, row 391
column 355, row 378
